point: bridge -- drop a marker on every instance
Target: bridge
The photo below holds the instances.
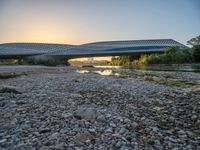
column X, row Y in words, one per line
column 107, row 48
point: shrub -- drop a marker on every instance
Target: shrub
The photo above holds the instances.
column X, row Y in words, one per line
column 46, row 62
column 172, row 55
column 171, row 50
column 121, row 60
column 8, row 61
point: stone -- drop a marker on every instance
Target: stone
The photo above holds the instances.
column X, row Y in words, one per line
column 92, row 130
column 113, row 125
column 3, row 141
column 54, row 136
column 75, row 95
column 86, row 113
column 20, row 102
column 194, row 117
column 2, row 104
column 67, row 115
column 101, row 118
column 122, row 131
column 118, row 144
column 83, row 137
column 109, row 130
column 44, row 148
column 134, row 124
column 44, row 130
column 10, row 89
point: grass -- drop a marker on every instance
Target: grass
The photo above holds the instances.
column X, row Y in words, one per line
column 154, row 76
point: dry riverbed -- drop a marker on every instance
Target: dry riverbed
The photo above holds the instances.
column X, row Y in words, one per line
column 76, row 108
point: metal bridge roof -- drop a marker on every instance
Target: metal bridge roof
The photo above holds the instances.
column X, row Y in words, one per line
column 96, row 48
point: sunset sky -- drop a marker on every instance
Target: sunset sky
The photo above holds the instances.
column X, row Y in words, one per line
column 82, row 21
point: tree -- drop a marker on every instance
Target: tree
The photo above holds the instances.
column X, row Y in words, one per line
column 196, row 53
column 171, row 50
column 194, row 41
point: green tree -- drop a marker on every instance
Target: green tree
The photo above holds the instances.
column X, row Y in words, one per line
column 196, row 53
column 194, row 41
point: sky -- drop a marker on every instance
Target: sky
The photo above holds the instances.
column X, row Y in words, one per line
column 84, row 21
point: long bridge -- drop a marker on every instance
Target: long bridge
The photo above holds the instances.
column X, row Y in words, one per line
column 107, row 48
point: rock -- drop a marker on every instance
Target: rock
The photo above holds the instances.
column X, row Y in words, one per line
column 54, row 136
column 182, row 134
column 83, row 137
column 155, row 129
column 2, row 104
column 108, row 115
column 44, row 130
column 86, row 113
column 109, row 130
column 134, row 124
column 101, row 118
column 122, row 131
column 74, row 95
column 113, row 125
column 158, row 145
column 67, row 115
column 92, row 130
column 194, row 117
column 118, row 144
column 127, row 120
column 20, row 102
column 3, row 141
column 1, row 98
column 44, row 148
column 10, row 89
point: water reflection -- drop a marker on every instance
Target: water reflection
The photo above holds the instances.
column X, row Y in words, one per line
column 116, row 70
column 83, row 71
column 105, row 72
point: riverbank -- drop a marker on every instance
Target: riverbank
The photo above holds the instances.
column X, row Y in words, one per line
column 63, row 108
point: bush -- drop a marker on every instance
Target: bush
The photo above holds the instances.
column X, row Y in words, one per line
column 172, row 55
column 46, row 62
column 9, row 61
column 121, row 60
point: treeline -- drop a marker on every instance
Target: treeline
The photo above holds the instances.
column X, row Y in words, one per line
column 34, row 61
column 172, row 55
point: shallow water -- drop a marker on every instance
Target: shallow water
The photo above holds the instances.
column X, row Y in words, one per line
column 117, row 70
column 179, row 68
column 184, row 76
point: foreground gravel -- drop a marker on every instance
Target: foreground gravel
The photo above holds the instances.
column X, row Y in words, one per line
column 59, row 108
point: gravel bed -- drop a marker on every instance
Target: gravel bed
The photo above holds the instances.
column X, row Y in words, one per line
column 59, row 108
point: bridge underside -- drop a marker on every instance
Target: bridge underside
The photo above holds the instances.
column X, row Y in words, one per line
column 136, row 54
column 71, row 56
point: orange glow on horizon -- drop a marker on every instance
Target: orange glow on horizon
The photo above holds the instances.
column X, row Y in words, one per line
column 37, row 30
